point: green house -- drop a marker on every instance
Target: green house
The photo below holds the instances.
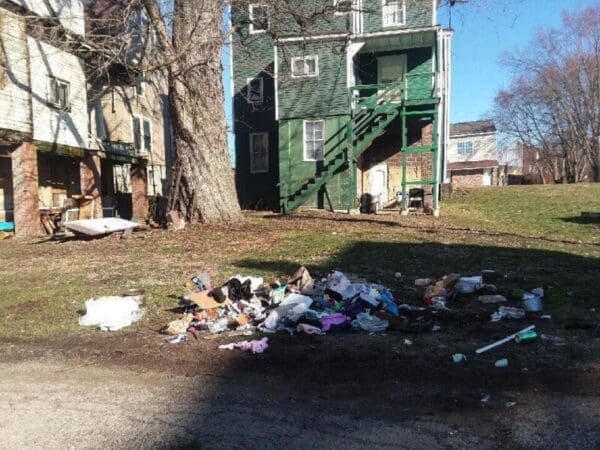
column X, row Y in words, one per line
column 337, row 101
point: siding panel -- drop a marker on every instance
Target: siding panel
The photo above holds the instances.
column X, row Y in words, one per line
column 50, row 124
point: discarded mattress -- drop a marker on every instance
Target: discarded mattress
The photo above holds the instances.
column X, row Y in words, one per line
column 111, row 313
column 98, row 227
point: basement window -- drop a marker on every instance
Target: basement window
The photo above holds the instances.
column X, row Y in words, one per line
column 305, row 66
column 259, row 152
column 465, row 148
column 313, row 140
column 255, row 91
column 394, row 13
column 58, row 93
column 259, row 18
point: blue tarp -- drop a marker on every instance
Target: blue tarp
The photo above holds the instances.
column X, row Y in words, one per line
column 7, row 226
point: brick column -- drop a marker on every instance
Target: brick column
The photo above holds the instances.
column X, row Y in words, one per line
column 139, row 192
column 26, row 199
column 90, row 173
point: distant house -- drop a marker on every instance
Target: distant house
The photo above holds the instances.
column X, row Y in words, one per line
column 472, row 154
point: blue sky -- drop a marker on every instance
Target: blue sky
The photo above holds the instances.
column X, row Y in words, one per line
column 483, row 31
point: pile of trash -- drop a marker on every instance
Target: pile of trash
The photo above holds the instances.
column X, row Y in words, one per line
column 301, row 304
column 436, row 293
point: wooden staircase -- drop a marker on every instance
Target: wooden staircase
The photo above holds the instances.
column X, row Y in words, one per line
column 371, row 116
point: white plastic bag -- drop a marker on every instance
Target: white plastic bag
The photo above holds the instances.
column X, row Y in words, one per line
column 111, row 313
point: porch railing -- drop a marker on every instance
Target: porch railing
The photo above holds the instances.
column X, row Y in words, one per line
column 411, row 87
column 119, row 148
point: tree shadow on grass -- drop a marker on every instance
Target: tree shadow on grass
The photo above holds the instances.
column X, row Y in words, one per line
column 354, row 390
column 345, row 389
column 583, row 220
column 430, row 229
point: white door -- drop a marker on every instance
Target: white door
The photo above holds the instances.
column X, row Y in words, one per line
column 487, row 177
column 378, row 184
column 390, row 69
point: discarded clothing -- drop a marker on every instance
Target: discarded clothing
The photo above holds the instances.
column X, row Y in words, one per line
column 334, row 319
column 256, row 346
column 253, row 283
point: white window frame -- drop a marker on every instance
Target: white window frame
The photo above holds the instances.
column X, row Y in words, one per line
column 251, row 17
column 305, row 140
column 342, row 13
column 50, row 98
column 306, row 73
column 142, row 150
column 465, row 144
column 262, row 91
column 254, row 170
column 385, row 14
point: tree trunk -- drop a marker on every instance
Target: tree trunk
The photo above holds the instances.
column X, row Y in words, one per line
column 206, row 190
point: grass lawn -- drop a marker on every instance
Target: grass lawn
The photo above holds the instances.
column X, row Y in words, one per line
column 532, row 233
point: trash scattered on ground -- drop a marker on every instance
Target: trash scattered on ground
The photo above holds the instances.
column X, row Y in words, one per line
column 485, row 398
column 510, row 404
column 503, row 341
column 533, row 302
column 372, row 324
column 111, row 313
column 178, row 339
column 501, row 363
column 526, row 336
column 487, row 299
column 459, row 357
column 508, row 312
column 299, row 304
column 302, row 304
column 554, row 340
column 468, row 285
column 256, row 346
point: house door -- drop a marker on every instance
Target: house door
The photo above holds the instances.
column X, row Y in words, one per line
column 390, row 69
column 378, row 184
column 487, row 177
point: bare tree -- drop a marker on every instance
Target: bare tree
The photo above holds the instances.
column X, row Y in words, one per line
column 553, row 102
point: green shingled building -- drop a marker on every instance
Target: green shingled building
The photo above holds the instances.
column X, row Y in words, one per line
column 337, row 101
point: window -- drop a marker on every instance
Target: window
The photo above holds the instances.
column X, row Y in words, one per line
column 255, row 90
column 305, row 66
column 342, row 6
column 259, row 152
column 139, row 86
column 259, row 18
column 58, row 93
column 313, row 140
column 393, row 12
column 142, row 135
column 465, row 148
